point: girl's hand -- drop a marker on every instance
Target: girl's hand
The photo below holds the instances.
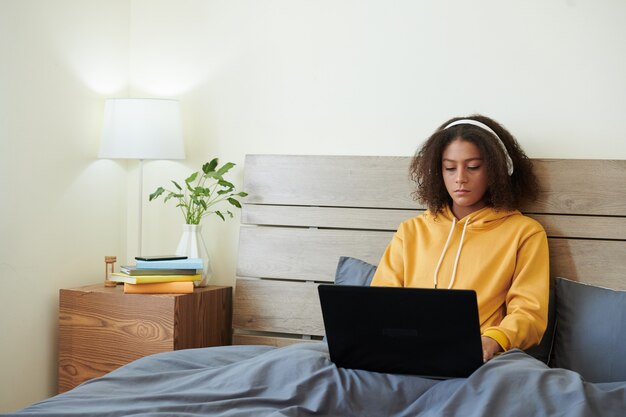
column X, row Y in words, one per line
column 490, row 348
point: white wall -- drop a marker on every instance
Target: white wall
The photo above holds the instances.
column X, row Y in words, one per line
column 291, row 76
column 61, row 209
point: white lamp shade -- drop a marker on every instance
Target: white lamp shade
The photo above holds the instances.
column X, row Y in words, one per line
column 142, row 128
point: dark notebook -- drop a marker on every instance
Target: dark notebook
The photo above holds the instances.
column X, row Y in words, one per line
column 428, row 332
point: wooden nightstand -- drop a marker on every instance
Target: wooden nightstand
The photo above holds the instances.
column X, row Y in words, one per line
column 101, row 329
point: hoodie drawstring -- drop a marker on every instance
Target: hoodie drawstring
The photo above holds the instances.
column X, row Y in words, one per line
column 458, row 253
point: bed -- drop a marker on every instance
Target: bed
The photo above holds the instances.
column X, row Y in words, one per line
column 304, row 213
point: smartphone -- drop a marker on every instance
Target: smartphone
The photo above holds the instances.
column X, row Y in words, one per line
column 160, row 257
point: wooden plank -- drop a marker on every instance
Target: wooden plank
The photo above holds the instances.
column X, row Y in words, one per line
column 326, row 217
column 583, row 227
column 591, row 261
column 258, row 339
column 304, row 254
column 277, row 306
column 312, row 254
column 588, row 187
column 342, row 181
column 588, row 227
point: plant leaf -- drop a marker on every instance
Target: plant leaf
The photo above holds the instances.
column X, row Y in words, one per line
column 234, row 202
column 202, row 191
column 220, row 215
column 223, row 170
column 157, row 193
column 224, row 183
column 176, row 185
column 192, row 178
column 242, row 194
column 210, row 166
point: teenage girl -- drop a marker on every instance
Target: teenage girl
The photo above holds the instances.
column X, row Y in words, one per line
column 473, row 177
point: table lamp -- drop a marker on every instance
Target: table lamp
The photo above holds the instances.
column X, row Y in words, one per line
column 141, row 128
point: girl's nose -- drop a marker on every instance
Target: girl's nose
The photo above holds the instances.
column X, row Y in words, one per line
column 461, row 177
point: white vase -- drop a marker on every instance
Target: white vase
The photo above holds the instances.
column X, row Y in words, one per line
column 192, row 245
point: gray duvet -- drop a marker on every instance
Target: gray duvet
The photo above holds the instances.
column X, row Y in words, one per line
column 300, row 380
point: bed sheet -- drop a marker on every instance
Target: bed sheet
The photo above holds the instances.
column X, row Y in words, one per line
column 300, row 380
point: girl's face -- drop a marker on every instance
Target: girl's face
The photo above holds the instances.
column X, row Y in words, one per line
column 465, row 177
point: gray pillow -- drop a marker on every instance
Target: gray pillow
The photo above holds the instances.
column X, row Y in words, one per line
column 591, row 331
column 352, row 271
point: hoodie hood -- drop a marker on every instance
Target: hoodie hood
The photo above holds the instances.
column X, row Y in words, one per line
column 485, row 218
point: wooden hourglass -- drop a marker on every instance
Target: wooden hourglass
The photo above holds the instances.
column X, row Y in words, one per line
column 109, row 260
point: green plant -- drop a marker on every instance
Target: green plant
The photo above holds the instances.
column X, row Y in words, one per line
column 203, row 189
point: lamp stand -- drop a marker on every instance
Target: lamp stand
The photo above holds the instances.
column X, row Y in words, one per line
column 139, row 218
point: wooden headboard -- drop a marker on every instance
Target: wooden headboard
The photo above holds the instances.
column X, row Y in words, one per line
column 303, row 212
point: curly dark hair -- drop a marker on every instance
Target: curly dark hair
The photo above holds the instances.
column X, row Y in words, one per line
column 504, row 192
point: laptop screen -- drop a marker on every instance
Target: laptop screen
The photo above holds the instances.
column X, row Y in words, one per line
column 427, row 332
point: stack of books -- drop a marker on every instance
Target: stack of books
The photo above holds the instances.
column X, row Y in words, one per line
column 159, row 276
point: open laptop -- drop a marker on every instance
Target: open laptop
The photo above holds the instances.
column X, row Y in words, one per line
column 433, row 333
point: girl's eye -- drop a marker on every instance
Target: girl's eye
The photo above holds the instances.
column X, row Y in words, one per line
column 474, row 168
column 449, row 168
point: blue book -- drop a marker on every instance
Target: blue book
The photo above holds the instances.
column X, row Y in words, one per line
column 189, row 263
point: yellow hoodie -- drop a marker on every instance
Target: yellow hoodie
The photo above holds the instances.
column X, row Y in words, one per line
column 502, row 255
